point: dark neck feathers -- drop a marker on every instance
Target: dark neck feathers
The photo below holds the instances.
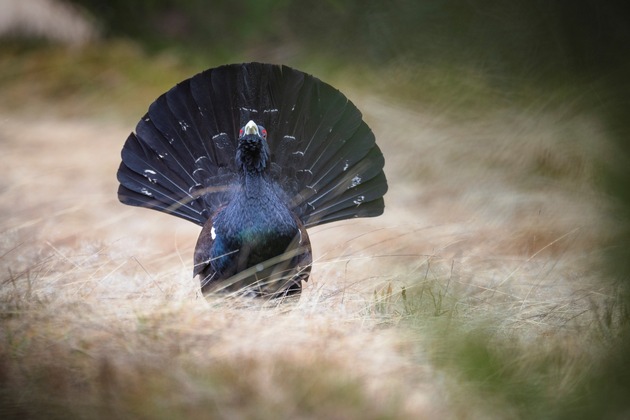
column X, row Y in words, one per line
column 252, row 155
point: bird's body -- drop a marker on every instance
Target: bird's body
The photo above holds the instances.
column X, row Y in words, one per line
column 243, row 240
column 254, row 194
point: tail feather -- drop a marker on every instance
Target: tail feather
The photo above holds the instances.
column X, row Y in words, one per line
column 178, row 133
column 348, row 157
column 214, row 91
column 324, row 157
column 186, row 121
column 157, row 147
column 369, row 209
column 146, row 178
column 150, row 170
column 343, row 197
column 131, row 198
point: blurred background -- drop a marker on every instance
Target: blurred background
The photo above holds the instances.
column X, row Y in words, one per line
column 497, row 47
column 461, row 61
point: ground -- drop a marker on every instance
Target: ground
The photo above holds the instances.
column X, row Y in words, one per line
column 492, row 230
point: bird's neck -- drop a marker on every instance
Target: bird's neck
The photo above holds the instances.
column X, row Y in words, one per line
column 257, row 208
column 254, row 183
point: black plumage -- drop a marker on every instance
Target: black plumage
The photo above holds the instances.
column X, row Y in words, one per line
column 255, row 153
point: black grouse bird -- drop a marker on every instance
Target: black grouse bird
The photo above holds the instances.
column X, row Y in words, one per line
column 255, row 153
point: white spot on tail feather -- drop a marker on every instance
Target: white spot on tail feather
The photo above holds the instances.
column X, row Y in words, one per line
column 355, row 181
column 213, row 233
column 147, row 175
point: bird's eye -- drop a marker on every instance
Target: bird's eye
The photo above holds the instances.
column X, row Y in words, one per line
column 240, row 133
column 264, row 133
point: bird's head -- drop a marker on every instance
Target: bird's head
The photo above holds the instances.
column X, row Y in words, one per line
column 252, row 153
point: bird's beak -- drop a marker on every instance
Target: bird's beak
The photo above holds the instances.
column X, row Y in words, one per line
column 251, row 128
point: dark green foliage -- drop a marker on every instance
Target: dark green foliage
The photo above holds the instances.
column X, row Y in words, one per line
column 522, row 38
column 208, row 27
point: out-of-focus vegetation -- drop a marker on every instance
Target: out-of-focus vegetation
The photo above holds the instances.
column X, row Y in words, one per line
column 520, row 37
column 449, row 54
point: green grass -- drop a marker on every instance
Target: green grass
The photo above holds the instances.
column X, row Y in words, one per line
column 113, row 78
column 521, row 363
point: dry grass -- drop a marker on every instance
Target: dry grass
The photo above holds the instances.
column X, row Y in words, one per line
column 475, row 295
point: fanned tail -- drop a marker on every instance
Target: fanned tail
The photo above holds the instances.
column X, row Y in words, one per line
column 324, row 157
